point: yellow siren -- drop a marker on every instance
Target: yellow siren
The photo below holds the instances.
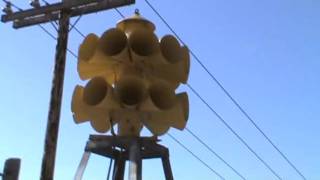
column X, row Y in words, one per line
column 132, row 80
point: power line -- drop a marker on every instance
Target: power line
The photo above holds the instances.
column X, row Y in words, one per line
column 54, row 23
column 201, row 141
column 43, row 28
column 195, row 156
column 75, row 23
column 73, row 26
column 79, row 32
column 229, row 95
column 198, row 95
column 53, row 37
column 211, row 150
column 13, row 5
column 234, row 132
column 73, row 54
column 215, row 153
column 119, row 12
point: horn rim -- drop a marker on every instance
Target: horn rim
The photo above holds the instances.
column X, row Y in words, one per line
column 95, row 91
column 170, row 49
column 113, row 41
column 184, row 101
column 143, row 42
column 130, row 90
column 88, row 47
column 186, row 61
column 162, row 95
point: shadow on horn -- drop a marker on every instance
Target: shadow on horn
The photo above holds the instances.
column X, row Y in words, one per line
column 95, row 91
column 162, row 95
column 143, row 42
column 88, row 47
column 130, row 90
column 113, row 42
column 171, row 49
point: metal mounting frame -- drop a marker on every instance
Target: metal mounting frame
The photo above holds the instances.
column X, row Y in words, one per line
column 122, row 149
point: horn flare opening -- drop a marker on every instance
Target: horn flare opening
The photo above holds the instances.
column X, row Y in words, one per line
column 162, row 95
column 113, row 41
column 130, row 90
column 88, row 47
column 143, row 43
column 170, row 48
column 95, row 91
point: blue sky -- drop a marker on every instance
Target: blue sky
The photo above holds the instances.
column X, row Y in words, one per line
column 266, row 53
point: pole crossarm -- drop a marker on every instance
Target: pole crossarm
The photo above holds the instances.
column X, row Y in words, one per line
column 52, row 12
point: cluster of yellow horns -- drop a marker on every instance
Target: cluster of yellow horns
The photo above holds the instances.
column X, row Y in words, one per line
column 133, row 77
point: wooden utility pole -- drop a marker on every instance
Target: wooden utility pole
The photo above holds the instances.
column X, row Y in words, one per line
column 61, row 11
column 51, row 139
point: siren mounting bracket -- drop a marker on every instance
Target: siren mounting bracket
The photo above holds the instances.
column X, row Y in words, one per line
column 121, row 149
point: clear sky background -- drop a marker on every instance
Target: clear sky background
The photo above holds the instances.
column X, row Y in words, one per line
column 266, row 53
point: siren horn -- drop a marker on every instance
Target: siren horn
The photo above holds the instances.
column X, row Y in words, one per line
column 143, row 43
column 175, row 73
column 88, row 47
column 113, row 43
column 130, row 90
column 171, row 49
column 93, row 103
column 164, row 109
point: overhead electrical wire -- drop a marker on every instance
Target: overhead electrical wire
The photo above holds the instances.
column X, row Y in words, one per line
column 119, row 12
column 213, row 152
column 195, row 156
column 201, row 141
column 73, row 26
column 42, row 27
column 53, row 37
column 219, row 117
column 75, row 23
column 13, row 5
column 235, row 133
column 74, row 55
column 229, row 95
column 54, row 24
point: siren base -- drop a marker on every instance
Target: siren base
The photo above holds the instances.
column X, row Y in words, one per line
column 122, row 149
